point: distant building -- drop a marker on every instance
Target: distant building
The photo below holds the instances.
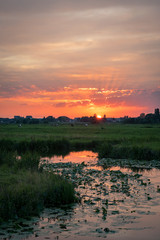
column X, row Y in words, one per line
column 17, row 117
column 156, row 112
column 28, row 117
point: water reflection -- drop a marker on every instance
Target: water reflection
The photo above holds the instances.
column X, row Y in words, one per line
column 115, row 199
column 74, row 157
column 91, row 158
column 116, row 202
column 146, row 172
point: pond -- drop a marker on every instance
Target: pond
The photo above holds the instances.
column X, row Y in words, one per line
column 117, row 202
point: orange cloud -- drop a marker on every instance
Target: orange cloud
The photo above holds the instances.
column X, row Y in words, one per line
column 75, row 102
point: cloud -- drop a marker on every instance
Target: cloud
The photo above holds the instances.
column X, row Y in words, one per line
column 60, row 104
column 70, row 53
column 30, row 6
column 72, row 104
column 49, row 21
column 71, row 97
column 140, row 98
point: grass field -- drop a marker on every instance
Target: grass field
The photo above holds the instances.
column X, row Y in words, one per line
column 130, row 135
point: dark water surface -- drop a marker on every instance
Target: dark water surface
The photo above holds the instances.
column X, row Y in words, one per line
column 116, row 203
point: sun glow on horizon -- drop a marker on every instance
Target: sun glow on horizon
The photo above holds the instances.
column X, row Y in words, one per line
column 75, row 102
column 60, row 59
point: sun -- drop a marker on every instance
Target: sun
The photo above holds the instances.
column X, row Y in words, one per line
column 99, row 116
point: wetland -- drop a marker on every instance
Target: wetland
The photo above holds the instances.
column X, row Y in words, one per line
column 116, row 198
column 114, row 202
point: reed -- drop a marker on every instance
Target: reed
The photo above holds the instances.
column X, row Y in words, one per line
column 128, row 152
column 25, row 193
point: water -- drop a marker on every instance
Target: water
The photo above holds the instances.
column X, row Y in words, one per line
column 75, row 157
column 115, row 203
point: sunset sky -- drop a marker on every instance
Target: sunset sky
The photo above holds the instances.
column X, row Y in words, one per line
column 79, row 57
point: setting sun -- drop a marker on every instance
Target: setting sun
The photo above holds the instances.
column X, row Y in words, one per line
column 80, row 119
column 78, row 67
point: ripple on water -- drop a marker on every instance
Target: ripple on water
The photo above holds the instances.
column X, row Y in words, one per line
column 115, row 202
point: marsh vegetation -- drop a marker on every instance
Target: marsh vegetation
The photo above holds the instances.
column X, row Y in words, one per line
column 31, row 179
column 112, row 201
column 109, row 140
column 25, row 188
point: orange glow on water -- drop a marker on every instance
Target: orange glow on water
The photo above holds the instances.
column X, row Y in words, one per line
column 74, row 157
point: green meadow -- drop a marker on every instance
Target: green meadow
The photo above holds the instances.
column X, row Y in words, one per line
column 120, row 134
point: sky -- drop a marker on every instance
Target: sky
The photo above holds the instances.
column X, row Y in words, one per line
column 79, row 57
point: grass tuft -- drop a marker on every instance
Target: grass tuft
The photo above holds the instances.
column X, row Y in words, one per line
column 25, row 193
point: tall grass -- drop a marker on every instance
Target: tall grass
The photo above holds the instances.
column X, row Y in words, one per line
column 47, row 147
column 7, row 158
column 131, row 152
column 25, row 188
column 59, row 147
column 24, row 193
column 28, row 161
